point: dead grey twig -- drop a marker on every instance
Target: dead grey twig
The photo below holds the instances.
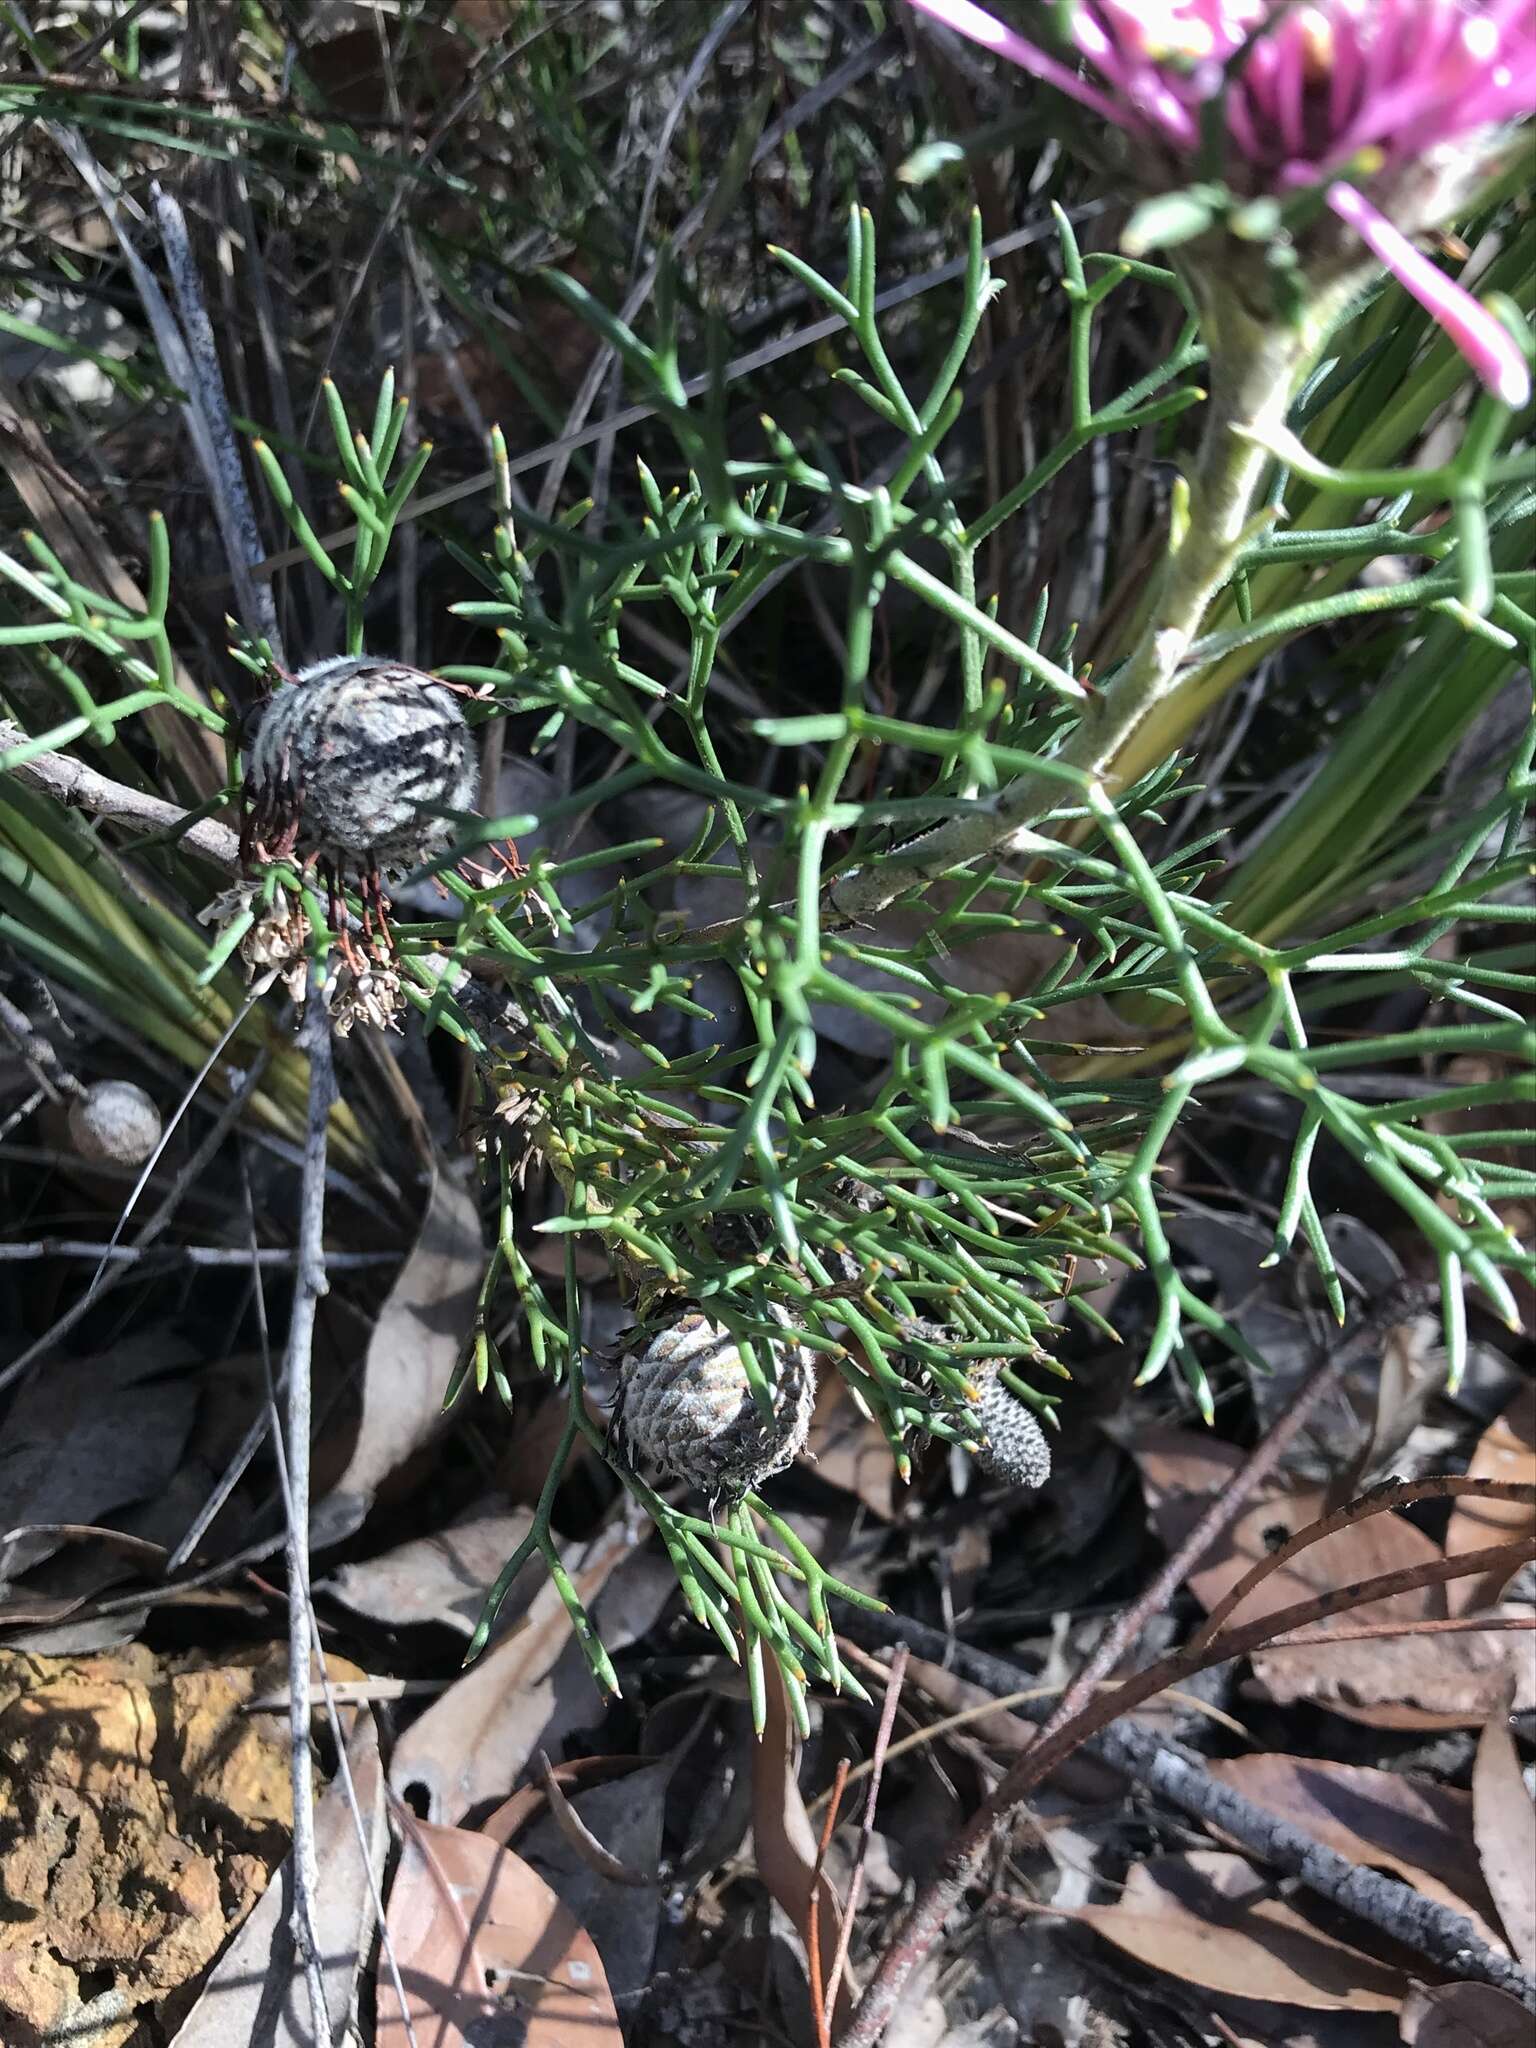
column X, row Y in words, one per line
column 221, row 464
column 1178, row 1775
column 72, row 783
column 204, row 408
column 315, row 1038
column 183, row 1254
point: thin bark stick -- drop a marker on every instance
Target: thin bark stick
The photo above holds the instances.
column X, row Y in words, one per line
column 71, row 782
column 1178, row 1775
column 944, row 1891
column 312, row 1284
column 1375, row 1631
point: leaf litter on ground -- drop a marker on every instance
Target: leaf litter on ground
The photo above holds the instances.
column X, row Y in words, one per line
column 487, row 1953
column 414, row 1344
column 255, row 1991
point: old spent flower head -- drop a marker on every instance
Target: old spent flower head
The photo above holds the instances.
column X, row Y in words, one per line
column 1387, row 108
column 686, row 1408
column 363, row 761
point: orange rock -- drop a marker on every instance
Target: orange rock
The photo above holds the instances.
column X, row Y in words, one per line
column 142, row 1811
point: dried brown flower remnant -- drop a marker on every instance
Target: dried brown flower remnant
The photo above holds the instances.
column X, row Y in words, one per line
column 686, row 1408
column 359, row 989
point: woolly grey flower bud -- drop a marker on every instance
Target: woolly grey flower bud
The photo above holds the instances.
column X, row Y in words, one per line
column 365, row 755
column 114, row 1123
column 685, row 1407
column 1016, row 1448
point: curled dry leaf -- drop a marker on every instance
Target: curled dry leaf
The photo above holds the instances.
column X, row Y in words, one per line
column 488, row 1955
column 1504, row 1824
column 1420, row 1831
column 509, row 1819
column 1507, row 1450
column 415, row 1344
column 600, row 1856
column 596, row 1855
column 1212, row 1920
column 1463, row 2016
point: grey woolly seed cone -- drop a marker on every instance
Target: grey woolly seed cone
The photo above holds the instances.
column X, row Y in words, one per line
column 371, row 753
column 1016, row 1448
column 114, row 1123
column 685, row 1408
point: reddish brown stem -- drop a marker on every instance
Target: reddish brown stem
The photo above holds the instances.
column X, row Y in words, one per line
column 1371, row 1631
column 898, row 1671
column 1046, row 1754
column 1392, row 1493
column 819, row 2012
column 1220, row 1513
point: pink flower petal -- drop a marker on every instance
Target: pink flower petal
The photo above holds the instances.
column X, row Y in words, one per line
column 1485, row 342
column 977, row 26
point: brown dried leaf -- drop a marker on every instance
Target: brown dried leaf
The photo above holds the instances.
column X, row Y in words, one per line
column 414, row 1347
column 487, row 1953
column 1504, row 1825
column 618, row 1828
column 1507, row 1451
column 849, row 1451
column 1385, row 1819
column 1463, row 2016
column 471, row 1744
column 437, row 1579
column 1211, row 1920
column 252, row 1994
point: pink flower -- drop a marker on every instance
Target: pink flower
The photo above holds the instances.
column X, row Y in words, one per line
column 1396, row 95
